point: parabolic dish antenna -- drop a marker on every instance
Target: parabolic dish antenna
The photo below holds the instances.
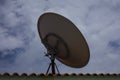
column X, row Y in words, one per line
column 63, row 40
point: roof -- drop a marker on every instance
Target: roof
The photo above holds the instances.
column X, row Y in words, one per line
column 65, row 76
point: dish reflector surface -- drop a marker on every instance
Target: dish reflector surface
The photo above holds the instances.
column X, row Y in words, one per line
column 60, row 33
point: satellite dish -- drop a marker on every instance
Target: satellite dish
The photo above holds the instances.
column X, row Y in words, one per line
column 63, row 40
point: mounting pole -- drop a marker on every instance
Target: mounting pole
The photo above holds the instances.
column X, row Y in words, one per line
column 53, row 65
column 52, row 54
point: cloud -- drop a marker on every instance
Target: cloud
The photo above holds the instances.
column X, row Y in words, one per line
column 15, row 34
column 10, row 42
column 98, row 20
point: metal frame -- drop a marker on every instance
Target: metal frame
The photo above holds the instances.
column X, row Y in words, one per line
column 52, row 51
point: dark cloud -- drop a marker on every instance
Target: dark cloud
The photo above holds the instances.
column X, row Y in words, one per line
column 115, row 44
column 9, row 56
column 2, row 2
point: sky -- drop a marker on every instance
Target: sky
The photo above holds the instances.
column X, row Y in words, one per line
column 21, row 49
